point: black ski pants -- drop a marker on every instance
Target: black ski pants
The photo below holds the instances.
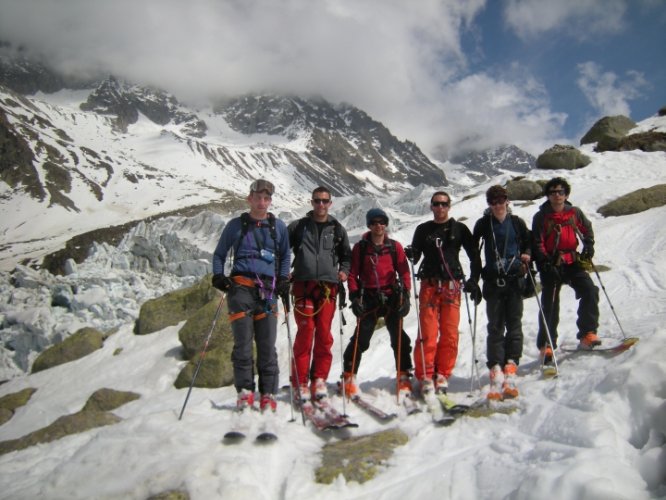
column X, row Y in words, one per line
column 587, row 294
column 365, row 328
column 504, row 308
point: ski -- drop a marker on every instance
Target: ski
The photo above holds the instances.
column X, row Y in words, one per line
column 266, row 437
column 336, row 419
column 240, row 425
column 608, row 351
column 548, row 371
column 267, row 432
column 324, row 417
column 440, row 417
column 316, row 418
column 410, row 405
column 451, row 407
column 372, row 409
column 233, row 436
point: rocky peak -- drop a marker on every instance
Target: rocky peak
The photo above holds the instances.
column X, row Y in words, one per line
column 340, row 135
column 492, row 161
column 28, row 74
column 125, row 101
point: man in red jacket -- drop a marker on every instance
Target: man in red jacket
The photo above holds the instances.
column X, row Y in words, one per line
column 556, row 228
column 379, row 284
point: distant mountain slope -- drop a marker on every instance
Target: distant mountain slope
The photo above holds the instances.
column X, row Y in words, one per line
column 120, row 152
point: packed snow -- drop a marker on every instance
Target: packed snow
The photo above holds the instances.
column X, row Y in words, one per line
column 598, row 431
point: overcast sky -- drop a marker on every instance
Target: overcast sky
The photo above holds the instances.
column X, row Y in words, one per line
column 455, row 73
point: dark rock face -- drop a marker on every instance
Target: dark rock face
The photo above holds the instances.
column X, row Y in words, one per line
column 340, row 135
column 125, row 102
column 493, row 161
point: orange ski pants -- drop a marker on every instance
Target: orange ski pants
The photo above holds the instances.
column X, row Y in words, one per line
column 439, row 316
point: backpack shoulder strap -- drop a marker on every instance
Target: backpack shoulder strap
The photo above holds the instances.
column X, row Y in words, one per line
column 394, row 256
column 245, row 225
column 362, row 250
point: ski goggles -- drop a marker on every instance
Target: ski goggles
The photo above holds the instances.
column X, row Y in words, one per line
column 262, row 185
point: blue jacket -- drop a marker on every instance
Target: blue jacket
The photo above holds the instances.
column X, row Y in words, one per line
column 248, row 259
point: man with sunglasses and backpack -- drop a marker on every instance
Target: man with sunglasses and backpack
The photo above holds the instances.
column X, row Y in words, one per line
column 441, row 275
column 322, row 258
column 258, row 243
column 556, row 229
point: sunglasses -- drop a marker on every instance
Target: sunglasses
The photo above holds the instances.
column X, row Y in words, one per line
column 497, row 201
column 556, row 191
column 377, row 222
column 440, row 204
column 321, row 201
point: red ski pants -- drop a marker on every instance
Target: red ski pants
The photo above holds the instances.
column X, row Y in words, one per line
column 314, row 308
column 439, row 316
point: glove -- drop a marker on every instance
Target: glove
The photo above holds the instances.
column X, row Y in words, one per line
column 403, row 309
column 222, row 282
column 409, row 252
column 282, row 287
column 474, row 291
column 529, row 290
column 588, row 250
column 357, row 307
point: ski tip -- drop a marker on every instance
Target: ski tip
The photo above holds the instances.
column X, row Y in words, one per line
column 233, row 437
column 266, row 437
column 445, row 421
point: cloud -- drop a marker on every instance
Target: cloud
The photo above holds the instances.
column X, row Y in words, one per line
column 499, row 111
column 579, row 19
column 606, row 91
column 401, row 62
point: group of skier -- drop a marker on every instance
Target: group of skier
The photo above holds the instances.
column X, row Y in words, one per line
column 380, row 280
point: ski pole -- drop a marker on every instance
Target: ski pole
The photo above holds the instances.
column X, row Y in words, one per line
column 624, row 336
column 471, row 332
column 292, row 361
column 545, row 323
column 353, row 365
column 399, row 353
column 342, row 299
column 476, row 362
column 203, row 354
column 419, row 337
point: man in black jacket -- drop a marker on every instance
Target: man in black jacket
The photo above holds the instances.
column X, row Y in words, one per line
column 322, row 258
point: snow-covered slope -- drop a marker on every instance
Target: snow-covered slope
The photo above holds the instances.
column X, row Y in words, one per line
column 598, row 431
column 83, row 160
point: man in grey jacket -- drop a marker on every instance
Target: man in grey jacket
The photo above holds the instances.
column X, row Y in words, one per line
column 322, row 258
